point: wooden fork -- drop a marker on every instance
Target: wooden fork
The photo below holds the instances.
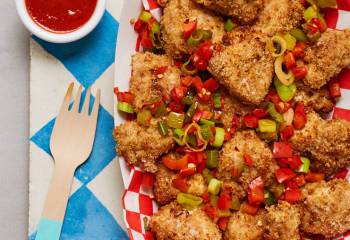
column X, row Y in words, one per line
column 71, row 144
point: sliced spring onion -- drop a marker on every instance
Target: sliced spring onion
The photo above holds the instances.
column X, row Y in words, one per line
column 199, row 135
column 195, row 38
column 188, row 99
column 219, row 137
column 269, row 198
column 179, row 133
column 310, row 13
column 285, row 78
column 305, row 167
column 225, row 213
column 298, row 34
column 278, row 46
column 125, row 107
column 145, row 16
column 155, row 28
column 144, row 117
column 191, row 140
column 214, row 200
column 207, row 175
column 290, row 40
column 161, row 110
column 179, row 141
column 206, row 122
column 163, row 128
column 191, row 110
column 229, row 25
column 188, row 69
column 238, row 163
column 175, row 120
column 235, row 203
column 274, row 114
column 188, row 200
column 155, row 38
column 214, row 186
column 207, row 34
column 268, row 136
column 206, row 132
column 286, row 93
column 217, row 100
column 267, row 126
column 212, row 158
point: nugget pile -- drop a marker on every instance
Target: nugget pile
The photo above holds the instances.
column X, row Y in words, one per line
column 226, row 115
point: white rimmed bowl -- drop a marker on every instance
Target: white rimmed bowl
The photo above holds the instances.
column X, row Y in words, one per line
column 60, row 37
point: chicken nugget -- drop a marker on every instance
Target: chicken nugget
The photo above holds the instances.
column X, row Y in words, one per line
column 326, row 208
column 173, row 222
column 283, row 222
column 326, row 142
column 145, row 85
column 245, row 67
column 176, row 14
column 279, row 16
column 327, row 57
column 133, row 143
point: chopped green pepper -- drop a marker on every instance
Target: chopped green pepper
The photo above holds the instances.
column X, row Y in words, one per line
column 267, row 126
column 214, row 186
column 212, row 158
column 286, row 93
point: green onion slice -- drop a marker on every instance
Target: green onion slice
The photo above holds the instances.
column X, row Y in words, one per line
column 278, row 46
column 290, row 40
column 144, row 117
column 286, row 93
column 163, row 128
column 235, row 203
column 206, row 132
column 188, row 200
column 192, row 110
column 145, row 16
column 179, row 133
column 310, row 13
column 305, row 167
column 188, row 69
column 267, row 125
column 214, row 186
column 207, row 175
column 269, row 198
column 175, row 120
column 285, row 78
column 206, row 122
column 161, row 110
column 219, row 137
column 274, row 114
column 229, row 25
column 298, row 34
column 212, row 158
column 199, row 135
column 195, row 38
column 217, row 100
column 125, row 107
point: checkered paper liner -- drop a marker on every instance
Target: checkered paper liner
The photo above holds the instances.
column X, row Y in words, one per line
column 137, row 201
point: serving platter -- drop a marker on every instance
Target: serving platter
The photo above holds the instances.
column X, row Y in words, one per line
column 137, row 201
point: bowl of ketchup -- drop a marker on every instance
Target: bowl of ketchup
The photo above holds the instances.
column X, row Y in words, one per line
column 60, row 21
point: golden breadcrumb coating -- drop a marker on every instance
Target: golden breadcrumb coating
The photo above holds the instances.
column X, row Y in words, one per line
column 283, row 222
column 245, row 67
column 327, row 142
column 176, row 14
column 234, row 188
column 133, row 143
column 147, row 86
column 172, row 222
column 245, row 11
column 164, row 192
column 327, row 57
column 279, row 16
column 326, row 208
column 242, row 226
column 247, row 142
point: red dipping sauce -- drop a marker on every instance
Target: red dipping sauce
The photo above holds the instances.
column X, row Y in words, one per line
column 61, row 15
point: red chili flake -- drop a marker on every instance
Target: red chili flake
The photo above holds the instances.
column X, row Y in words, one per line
column 248, row 160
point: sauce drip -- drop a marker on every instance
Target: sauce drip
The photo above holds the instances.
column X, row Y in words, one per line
column 61, row 15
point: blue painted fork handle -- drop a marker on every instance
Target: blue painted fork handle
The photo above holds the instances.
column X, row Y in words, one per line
column 49, row 229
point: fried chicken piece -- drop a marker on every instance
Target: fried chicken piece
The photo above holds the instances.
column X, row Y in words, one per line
column 173, row 222
column 327, row 57
column 133, row 143
column 326, row 208
column 245, row 67
column 164, row 192
column 176, row 14
column 245, row 11
column 242, row 226
column 247, row 142
column 283, row 222
column 279, row 16
column 327, row 142
column 234, row 188
column 147, row 86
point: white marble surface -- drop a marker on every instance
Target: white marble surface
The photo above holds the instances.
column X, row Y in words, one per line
column 14, row 124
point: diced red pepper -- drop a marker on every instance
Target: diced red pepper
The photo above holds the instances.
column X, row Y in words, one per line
column 248, row 160
column 320, row 25
column 299, row 120
column 187, row 171
column 180, row 184
column 186, row 81
column 189, row 28
column 283, row 107
column 207, row 114
column 205, row 50
column 198, row 115
column 259, row 112
column 160, row 70
column 256, row 191
column 206, row 197
column 289, row 60
column 251, row 121
column 299, row 180
column 148, row 235
column 225, row 201
column 201, row 64
column 273, row 97
column 178, row 93
column 287, row 132
column 148, row 180
column 124, row 96
column 211, row 85
column 175, row 164
column 342, row 173
column 292, row 195
column 176, row 107
column 299, row 50
column 282, row 150
column 197, row 83
column 284, row 174
column 236, row 121
column 146, row 41
column 211, row 211
column 295, row 162
column 314, row 177
column 249, row 209
column 334, row 88
column 138, row 25
column 223, row 222
column 300, row 72
column 257, row 182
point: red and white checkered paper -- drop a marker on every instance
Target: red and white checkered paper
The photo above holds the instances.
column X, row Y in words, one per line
column 137, row 201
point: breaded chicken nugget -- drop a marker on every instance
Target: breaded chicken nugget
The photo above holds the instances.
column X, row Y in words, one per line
column 245, row 11
column 326, row 208
column 164, row 192
column 279, row 16
column 327, row 142
column 242, row 226
column 283, row 222
column 176, row 14
column 245, row 67
column 172, row 222
column 247, row 142
column 147, row 86
column 133, row 143
column 327, row 57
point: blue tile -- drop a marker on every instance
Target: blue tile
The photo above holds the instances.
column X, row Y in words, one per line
column 89, row 57
column 88, row 219
column 103, row 150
